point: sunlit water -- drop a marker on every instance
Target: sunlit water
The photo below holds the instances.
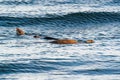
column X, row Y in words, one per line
column 27, row 58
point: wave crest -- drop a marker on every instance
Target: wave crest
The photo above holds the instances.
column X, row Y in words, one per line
column 52, row 11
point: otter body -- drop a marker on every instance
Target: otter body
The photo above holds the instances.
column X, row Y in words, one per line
column 64, row 41
column 56, row 41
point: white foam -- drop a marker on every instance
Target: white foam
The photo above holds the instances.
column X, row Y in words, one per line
column 95, row 56
column 58, row 76
column 29, row 48
column 43, row 11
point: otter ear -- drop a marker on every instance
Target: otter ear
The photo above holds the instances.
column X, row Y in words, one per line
column 19, row 31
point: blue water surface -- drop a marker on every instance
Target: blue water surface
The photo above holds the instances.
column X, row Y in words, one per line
column 26, row 58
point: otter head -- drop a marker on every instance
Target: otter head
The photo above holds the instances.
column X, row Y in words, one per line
column 19, row 31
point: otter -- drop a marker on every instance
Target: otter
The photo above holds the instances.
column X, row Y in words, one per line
column 19, row 31
column 55, row 40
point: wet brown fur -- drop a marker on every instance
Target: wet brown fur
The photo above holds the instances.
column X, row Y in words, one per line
column 19, row 31
column 65, row 41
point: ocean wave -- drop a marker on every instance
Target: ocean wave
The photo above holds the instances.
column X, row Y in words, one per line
column 71, row 18
column 59, row 1
column 52, row 11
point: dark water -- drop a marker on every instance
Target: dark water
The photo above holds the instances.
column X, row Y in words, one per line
column 26, row 58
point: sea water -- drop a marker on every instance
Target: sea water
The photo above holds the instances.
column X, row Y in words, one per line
column 26, row 58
